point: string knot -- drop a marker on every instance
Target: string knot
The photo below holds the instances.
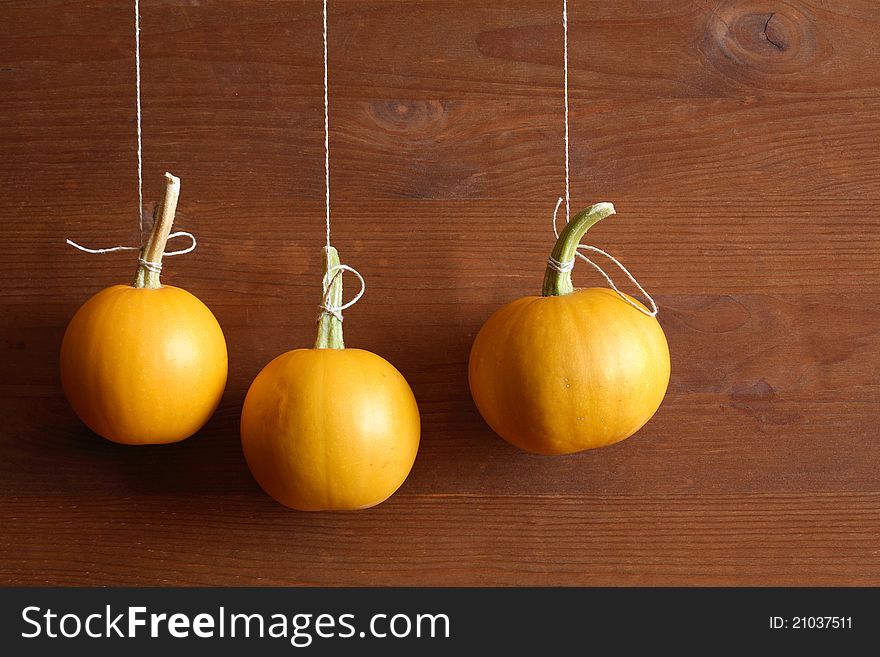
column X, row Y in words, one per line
column 561, row 267
column 154, row 267
column 329, row 308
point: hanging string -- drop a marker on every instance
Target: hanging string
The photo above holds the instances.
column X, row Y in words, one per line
column 335, row 271
column 137, row 87
column 150, row 266
column 565, row 87
column 326, row 131
column 564, row 267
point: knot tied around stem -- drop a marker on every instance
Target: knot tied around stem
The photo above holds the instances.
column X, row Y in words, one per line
column 557, row 277
column 330, row 318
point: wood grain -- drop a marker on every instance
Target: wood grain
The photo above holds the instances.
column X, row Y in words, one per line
column 738, row 140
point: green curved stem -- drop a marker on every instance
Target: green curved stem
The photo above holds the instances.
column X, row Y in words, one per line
column 155, row 247
column 556, row 283
column 330, row 326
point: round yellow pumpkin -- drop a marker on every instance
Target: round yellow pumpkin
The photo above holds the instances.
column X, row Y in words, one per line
column 144, row 365
column 569, row 370
column 330, row 428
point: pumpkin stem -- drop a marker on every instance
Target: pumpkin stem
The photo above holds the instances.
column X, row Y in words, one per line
column 330, row 319
column 558, row 283
column 147, row 276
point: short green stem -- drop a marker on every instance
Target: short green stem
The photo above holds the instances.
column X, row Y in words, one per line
column 154, row 249
column 558, row 283
column 330, row 319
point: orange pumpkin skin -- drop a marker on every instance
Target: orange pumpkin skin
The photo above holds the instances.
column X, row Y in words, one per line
column 144, row 365
column 330, row 429
column 562, row 374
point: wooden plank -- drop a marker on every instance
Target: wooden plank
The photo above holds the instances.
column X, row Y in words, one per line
column 446, row 539
column 460, row 252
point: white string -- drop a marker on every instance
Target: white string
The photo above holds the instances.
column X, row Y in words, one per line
column 137, row 85
column 189, row 249
column 107, row 250
column 155, row 267
column 332, row 273
column 594, row 249
column 150, row 266
column 561, row 267
column 565, row 86
column 326, row 131
column 555, row 212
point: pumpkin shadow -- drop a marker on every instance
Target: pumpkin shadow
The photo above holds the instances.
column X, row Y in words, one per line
column 79, row 462
column 208, row 463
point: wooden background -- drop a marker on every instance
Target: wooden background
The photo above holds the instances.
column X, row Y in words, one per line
column 738, row 140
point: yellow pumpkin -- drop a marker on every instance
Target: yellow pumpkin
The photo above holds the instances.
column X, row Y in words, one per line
column 145, row 363
column 569, row 370
column 330, row 428
column 142, row 365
